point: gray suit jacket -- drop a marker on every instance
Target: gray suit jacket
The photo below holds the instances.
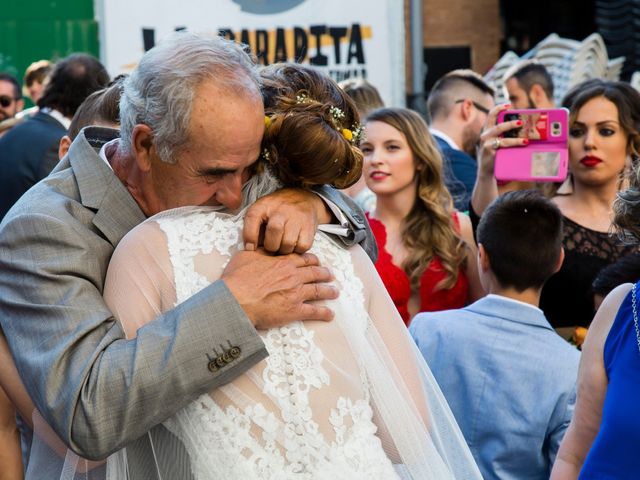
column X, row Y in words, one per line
column 98, row 390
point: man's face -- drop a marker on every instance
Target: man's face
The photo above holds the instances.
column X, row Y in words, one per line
column 9, row 105
column 518, row 97
column 225, row 134
column 472, row 131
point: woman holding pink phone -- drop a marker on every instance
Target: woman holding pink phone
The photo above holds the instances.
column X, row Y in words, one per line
column 603, row 139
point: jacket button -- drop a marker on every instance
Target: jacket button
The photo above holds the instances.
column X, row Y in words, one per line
column 213, row 368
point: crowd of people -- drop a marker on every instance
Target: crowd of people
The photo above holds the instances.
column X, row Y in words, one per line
column 214, row 270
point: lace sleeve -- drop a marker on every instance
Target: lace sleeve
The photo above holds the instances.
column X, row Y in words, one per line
column 414, row 418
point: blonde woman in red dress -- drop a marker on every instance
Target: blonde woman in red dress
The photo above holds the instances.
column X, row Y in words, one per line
column 427, row 254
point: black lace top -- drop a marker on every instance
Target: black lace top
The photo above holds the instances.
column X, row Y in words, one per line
column 567, row 298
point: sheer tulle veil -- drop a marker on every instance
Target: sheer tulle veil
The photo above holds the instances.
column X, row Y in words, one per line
column 365, row 353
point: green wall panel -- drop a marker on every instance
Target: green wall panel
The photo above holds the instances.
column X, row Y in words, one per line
column 44, row 29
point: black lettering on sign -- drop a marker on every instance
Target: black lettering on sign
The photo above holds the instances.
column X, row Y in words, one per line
column 227, row 33
column 300, row 45
column 281, row 47
column 337, row 33
column 339, row 75
column 262, row 46
column 244, row 37
column 319, row 59
column 148, row 38
column 355, row 45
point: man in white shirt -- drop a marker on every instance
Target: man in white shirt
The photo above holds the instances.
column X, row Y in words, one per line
column 458, row 106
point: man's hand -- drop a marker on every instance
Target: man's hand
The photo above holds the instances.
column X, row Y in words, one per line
column 275, row 290
column 290, row 218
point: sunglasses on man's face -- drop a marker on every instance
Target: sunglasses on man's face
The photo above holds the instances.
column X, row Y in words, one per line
column 6, row 101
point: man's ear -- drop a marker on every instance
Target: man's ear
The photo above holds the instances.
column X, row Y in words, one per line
column 143, row 146
column 538, row 95
column 560, row 260
column 63, row 148
column 483, row 258
column 466, row 108
column 19, row 105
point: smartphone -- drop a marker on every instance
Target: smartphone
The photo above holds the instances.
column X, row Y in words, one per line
column 546, row 157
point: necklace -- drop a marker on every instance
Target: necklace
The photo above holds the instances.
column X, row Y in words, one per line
column 635, row 314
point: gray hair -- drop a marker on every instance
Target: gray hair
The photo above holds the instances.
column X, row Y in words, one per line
column 159, row 93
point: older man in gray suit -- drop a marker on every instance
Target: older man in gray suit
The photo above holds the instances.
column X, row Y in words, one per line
column 192, row 121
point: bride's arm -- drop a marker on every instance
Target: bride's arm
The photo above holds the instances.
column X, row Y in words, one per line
column 139, row 284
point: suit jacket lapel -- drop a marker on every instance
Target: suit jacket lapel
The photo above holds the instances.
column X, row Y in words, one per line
column 100, row 190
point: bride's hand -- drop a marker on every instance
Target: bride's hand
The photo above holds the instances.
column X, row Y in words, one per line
column 275, row 290
column 287, row 218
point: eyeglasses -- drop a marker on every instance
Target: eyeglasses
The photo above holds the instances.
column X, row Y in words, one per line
column 5, row 101
column 483, row 109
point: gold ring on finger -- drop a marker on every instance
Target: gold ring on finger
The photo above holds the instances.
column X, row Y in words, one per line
column 496, row 143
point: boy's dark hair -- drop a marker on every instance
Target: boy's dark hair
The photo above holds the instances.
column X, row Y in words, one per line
column 72, row 80
column 521, row 233
column 625, row 270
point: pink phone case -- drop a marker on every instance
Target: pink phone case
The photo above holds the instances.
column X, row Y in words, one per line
column 545, row 158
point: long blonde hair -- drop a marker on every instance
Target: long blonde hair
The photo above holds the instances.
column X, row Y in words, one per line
column 429, row 229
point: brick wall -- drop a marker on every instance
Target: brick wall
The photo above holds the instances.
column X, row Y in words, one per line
column 460, row 23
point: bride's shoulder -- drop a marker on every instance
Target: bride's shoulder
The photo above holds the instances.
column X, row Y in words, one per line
column 182, row 214
column 154, row 229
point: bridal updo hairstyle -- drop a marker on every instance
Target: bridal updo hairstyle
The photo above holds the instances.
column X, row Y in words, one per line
column 306, row 140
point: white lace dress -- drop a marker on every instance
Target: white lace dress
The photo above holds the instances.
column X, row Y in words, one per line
column 347, row 399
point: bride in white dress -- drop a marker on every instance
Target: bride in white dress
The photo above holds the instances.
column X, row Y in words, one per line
column 346, row 399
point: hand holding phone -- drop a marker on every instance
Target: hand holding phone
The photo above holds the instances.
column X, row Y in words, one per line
column 545, row 158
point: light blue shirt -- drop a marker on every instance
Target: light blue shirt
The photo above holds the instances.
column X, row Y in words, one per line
column 509, row 380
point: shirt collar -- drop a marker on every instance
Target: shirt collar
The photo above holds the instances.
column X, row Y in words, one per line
column 64, row 121
column 107, row 151
column 513, row 300
column 443, row 136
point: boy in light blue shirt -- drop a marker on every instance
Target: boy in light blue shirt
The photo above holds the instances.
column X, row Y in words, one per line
column 508, row 377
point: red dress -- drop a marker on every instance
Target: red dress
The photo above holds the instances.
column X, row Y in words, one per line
column 399, row 286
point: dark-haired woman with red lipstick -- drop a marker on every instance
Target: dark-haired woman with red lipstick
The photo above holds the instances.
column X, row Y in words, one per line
column 603, row 140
